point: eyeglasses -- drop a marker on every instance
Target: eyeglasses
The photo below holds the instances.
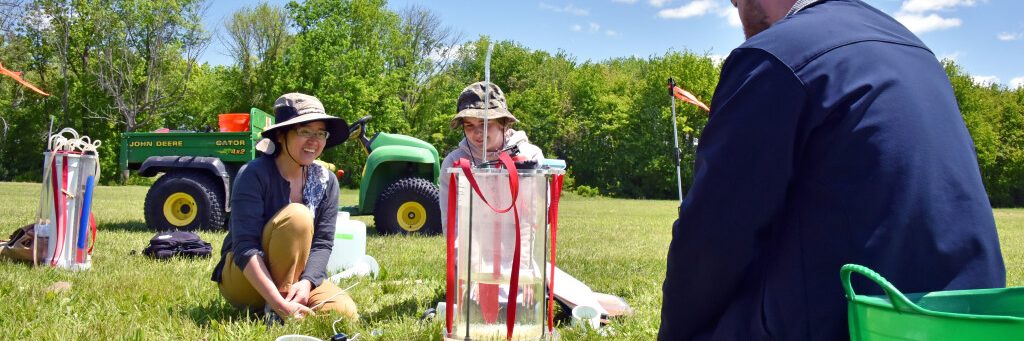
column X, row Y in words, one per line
column 310, row 133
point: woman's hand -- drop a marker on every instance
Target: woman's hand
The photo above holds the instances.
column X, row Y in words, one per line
column 287, row 309
column 285, row 306
column 299, row 292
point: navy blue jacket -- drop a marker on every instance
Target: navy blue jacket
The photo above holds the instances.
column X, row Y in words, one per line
column 834, row 138
column 259, row 193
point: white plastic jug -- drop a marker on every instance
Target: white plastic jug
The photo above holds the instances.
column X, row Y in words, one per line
column 349, row 243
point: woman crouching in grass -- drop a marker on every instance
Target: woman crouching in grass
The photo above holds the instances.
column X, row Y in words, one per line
column 283, row 212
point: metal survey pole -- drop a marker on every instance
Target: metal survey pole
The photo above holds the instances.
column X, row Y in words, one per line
column 675, row 139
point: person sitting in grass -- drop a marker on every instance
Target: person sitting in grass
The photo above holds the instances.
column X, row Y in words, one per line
column 478, row 102
column 283, row 212
column 470, row 117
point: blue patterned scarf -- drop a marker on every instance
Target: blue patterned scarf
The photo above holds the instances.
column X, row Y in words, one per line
column 316, row 186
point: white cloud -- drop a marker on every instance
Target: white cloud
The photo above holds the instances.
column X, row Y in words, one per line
column 919, row 23
column 658, row 3
column 695, row 8
column 593, row 27
column 1008, row 36
column 918, row 6
column 1016, row 83
column 950, row 56
column 985, row 80
column 625, row 1
column 919, row 15
column 570, row 9
column 718, row 59
column 445, row 55
column 39, row 20
column 732, row 15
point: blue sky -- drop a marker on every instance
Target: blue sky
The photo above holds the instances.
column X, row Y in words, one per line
column 986, row 37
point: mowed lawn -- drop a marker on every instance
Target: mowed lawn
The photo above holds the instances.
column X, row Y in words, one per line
column 615, row 246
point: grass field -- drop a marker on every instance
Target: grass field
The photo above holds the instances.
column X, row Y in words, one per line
column 615, row 246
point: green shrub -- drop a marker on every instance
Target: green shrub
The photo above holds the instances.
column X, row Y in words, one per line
column 587, row 191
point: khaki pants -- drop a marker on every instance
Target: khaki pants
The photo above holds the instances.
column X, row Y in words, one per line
column 286, row 241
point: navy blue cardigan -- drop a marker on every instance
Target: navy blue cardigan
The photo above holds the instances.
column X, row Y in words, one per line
column 259, row 192
column 834, row 138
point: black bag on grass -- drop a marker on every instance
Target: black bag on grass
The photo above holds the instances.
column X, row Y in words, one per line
column 178, row 243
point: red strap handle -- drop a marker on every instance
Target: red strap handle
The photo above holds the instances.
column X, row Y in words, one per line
column 92, row 223
column 453, row 189
column 513, row 180
column 60, row 203
column 556, row 193
column 510, row 317
column 55, row 188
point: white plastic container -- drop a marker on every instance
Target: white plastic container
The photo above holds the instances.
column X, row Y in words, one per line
column 586, row 316
column 349, row 243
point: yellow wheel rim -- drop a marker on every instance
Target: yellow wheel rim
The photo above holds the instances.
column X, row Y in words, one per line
column 180, row 209
column 411, row 216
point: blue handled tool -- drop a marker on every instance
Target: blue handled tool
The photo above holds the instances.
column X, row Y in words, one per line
column 83, row 226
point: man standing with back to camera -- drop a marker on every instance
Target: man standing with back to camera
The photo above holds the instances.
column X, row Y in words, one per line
column 834, row 138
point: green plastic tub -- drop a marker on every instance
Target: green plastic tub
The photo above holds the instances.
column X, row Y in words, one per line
column 981, row 314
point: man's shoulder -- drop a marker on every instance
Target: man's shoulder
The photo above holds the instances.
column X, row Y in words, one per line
column 824, row 28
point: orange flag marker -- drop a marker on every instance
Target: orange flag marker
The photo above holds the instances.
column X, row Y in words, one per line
column 17, row 77
column 686, row 96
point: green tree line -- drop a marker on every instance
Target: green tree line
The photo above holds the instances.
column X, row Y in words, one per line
column 131, row 65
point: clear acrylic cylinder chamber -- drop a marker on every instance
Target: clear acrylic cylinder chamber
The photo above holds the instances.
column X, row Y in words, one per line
column 485, row 256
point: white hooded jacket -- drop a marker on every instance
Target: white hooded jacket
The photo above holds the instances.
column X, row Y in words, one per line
column 465, row 150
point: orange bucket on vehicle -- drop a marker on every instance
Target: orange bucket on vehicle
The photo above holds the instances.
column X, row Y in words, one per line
column 233, row 123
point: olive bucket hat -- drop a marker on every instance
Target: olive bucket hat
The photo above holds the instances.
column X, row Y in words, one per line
column 295, row 108
column 471, row 104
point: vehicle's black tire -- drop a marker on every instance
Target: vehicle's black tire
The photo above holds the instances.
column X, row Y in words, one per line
column 185, row 200
column 408, row 206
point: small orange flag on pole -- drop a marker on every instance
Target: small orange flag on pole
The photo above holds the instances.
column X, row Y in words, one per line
column 686, row 96
column 17, row 77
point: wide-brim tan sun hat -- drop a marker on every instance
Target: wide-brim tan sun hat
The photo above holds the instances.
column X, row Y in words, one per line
column 471, row 104
column 295, row 108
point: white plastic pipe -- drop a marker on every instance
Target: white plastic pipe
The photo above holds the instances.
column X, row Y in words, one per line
column 487, row 99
